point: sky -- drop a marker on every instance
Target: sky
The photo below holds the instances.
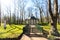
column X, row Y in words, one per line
column 6, row 4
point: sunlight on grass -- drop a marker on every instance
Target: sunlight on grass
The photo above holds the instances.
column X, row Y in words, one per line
column 47, row 28
column 12, row 31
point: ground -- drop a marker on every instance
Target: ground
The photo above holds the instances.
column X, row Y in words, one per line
column 25, row 37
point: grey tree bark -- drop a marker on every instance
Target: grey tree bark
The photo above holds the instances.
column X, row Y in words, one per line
column 54, row 17
column 41, row 15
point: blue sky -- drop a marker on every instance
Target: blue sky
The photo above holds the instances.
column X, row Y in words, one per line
column 9, row 3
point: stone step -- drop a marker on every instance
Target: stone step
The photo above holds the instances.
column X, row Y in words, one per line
column 32, row 25
column 37, row 33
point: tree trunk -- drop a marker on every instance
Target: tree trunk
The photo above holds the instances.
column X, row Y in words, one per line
column 0, row 13
column 47, row 12
column 10, row 17
column 54, row 17
column 41, row 15
column 59, row 20
column 47, row 17
column 54, row 26
column 59, row 17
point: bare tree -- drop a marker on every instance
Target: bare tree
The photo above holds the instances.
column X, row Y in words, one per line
column 47, row 12
column 36, row 15
column 15, row 12
column 21, row 7
column 13, row 18
column 0, row 13
column 59, row 15
column 41, row 14
column 9, row 15
column 54, row 16
column 30, row 13
column 37, row 4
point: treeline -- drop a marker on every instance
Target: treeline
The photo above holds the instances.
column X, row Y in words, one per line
column 19, row 15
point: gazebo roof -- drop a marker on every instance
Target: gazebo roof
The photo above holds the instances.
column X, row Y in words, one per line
column 32, row 17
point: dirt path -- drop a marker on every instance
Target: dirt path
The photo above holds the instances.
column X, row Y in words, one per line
column 24, row 37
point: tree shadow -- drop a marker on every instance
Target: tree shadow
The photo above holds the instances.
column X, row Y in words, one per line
column 56, row 39
column 18, row 38
column 26, row 29
column 9, row 39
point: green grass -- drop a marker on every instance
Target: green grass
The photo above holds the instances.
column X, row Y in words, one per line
column 47, row 28
column 12, row 31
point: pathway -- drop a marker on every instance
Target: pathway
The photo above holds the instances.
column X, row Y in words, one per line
column 25, row 37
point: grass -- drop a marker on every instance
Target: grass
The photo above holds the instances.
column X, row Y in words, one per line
column 12, row 31
column 47, row 27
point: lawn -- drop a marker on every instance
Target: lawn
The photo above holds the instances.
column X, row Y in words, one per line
column 47, row 27
column 12, row 31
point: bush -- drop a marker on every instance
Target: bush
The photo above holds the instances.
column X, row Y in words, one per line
column 43, row 24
